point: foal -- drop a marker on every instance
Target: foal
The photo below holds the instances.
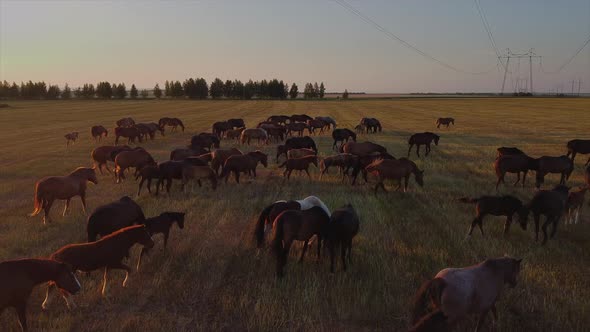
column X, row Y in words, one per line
column 161, row 225
column 497, row 206
column 300, row 164
column 71, row 137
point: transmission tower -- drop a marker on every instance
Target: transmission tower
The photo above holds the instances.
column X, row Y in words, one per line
column 530, row 55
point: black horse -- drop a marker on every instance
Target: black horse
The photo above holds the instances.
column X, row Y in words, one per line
column 552, row 204
column 422, row 139
column 342, row 135
column 343, row 227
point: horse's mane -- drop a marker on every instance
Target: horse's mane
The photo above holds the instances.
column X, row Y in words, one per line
column 79, row 170
column 311, row 201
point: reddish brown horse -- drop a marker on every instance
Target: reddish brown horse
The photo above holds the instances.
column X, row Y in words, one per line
column 71, row 137
column 550, row 203
column 445, row 122
column 297, row 127
column 312, row 125
column 396, row 169
column 560, row 165
column 342, row 228
column 48, row 189
column 514, row 164
column 245, row 163
column 497, row 206
column 344, row 161
column 19, row 277
column 102, row 154
column 131, row 133
column 342, row 135
column 137, row 159
column 107, row 253
column 505, row 151
column 576, row 146
column 125, row 122
column 218, row 157
column 172, row 122
column 98, row 132
column 220, row 127
column 109, row 218
column 422, row 139
column 362, row 149
column 300, row 164
column 254, row 133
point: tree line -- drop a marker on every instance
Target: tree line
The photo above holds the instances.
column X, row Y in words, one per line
column 191, row 88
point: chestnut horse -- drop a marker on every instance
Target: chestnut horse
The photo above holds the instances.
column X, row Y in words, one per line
column 19, row 277
column 137, row 158
column 300, row 164
column 297, row 127
column 48, row 189
column 362, row 149
column 344, row 161
column 245, row 163
column 422, row 139
column 125, row 122
column 71, row 137
column 102, row 154
column 505, row 151
column 257, row 133
column 131, row 133
column 218, row 157
column 395, row 169
column 98, row 132
column 172, row 122
column 445, row 122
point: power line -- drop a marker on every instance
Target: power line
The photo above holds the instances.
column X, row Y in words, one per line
column 570, row 59
column 394, row 37
column 486, row 26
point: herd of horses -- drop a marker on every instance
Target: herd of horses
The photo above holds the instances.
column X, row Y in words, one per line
column 112, row 229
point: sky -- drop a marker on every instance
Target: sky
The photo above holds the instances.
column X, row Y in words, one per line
column 148, row 42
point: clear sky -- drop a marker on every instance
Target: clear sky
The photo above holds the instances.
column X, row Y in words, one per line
column 145, row 42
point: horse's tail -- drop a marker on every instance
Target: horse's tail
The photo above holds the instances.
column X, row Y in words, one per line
column 259, row 229
column 430, row 290
column 468, row 200
column 434, row 321
column 90, row 230
column 39, row 202
column 278, row 235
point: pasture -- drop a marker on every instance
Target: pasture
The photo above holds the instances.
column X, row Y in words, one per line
column 211, row 276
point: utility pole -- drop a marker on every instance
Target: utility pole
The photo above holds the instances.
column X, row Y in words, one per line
column 531, row 69
column 530, row 54
column 573, row 87
column 579, row 86
column 505, row 69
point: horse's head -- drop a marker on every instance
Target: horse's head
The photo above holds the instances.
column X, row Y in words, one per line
column 352, row 135
column 419, row 176
column 178, row 217
column 523, row 216
column 66, row 279
column 436, row 138
column 261, row 157
column 88, row 173
column 512, row 269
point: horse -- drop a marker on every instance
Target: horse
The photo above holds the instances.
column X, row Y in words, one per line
column 245, row 163
column 190, row 172
column 343, row 160
column 98, row 132
column 111, row 217
column 107, row 253
column 204, row 141
column 172, row 122
column 576, row 146
column 342, row 228
column 371, row 125
column 218, row 157
column 552, row 204
column 575, row 201
column 236, row 123
column 497, row 206
column 359, row 165
column 161, row 225
column 149, row 129
column 312, row 125
column 172, row 169
column 362, row 149
column 299, row 143
column 505, row 151
column 125, row 122
column 278, row 133
column 269, row 214
column 220, row 127
column 425, row 138
column 131, row 133
column 298, row 153
column 147, row 173
column 300, row 118
column 280, row 119
column 71, row 137
column 445, row 121
column 459, row 292
column 300, row 164
column 514, row 164
column 50, row 188
column 341, row 135
column 19, row 277
column 359, row 129
column 182, row 154
column 133, row 158
column 298, row 225
column 395, row 169
column 562, row 165
column 257, row 133
column 102, row 154
column 328, row 121
column 297, row 127
column 234, row 133
column 432, row 322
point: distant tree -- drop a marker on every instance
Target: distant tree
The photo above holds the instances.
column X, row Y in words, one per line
column 78, row 93
column 249, row 90
column 176, row 89
column 13, row 92
column 316, row 90
column 285, row 90
column 167, row 89
column 238, row 90
column 227, row 89
column 120, row 92
column 53, row 92
column 322, row 90
column 144, row 93
column 217, row 89
column 158, row 91
column 294, row 92
column 104, row 90
column 66, row 93
column 88, row 91
column 133, row 93
column 202, row 88
column 345, row 94
column 308, row 91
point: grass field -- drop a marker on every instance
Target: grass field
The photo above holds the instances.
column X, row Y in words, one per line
column 212, row 278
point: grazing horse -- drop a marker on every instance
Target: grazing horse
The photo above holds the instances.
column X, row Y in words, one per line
column 137, row 159
column 107, row 253
column 218, row 157
column 172, row 169
column 395, row 169
column 362, row 149
column 220, row 127
column 299, row 143
column 459, row 292
column 50, row 188
column 300, row 118
column 277, row 132
column 359, row 129
column 172, row 122
column 280, row 119
column 206, row 140
column 234, row 133
column 109, row 218
column 269, row 214
column 312, row 125
column 344, row 161
column 98, row 132
column 71, row 137
column 576, row 146
column 328, row 121
column 236, row 123
column 342, row 135
column 343, row 227
column 371, row 125
column 102, row 154
column 300, row 164
column 298, row 225
column 552, row 204
column 514, row 164
column 425, row 138
column 199, row 173
column 298, row 153
column 149, row 129
column 147, row 173
column 19, row 277
column 161, row 225
column 445, row 122
column 575, row 201
column 361, row 163
column 125, row 122
column 131, row 133
column 182, row 154
column 561, row 165
column 497, row 206
column 248, row 134
column 245, row 163
column 505, row 151
column 297, row 127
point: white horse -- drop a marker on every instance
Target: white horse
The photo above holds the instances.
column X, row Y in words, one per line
column 458, row 292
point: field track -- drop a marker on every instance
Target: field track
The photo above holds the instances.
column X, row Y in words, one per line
column 212, row 278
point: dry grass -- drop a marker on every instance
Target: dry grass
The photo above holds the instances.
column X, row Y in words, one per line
column 211, row 278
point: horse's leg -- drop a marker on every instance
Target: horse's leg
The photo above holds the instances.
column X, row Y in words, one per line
column 319, row 247
column 410, row 149
column 524, row 177
column 67, row 205
column 562, row 179
column 555, row 221
column 21, row 310
column 305, row 244
column 500, row 179
column 418, row 150
column 166, row 236
column 331, row 250
column 427, row 149
column 46, row 209
column 69, row 300
column 350, row 250
column 507, row 224
column 140, row 185
column 537, row 217
column 104, row 281
column 475, row 222
column 149, row 185
column 309, row 176
column 50, row 287
column 237, row 174
column 517, row 178
column 482, row 318
column 83, row 198
column 343, row 254
column 544, row 228
column 122, row 266
column 406, row 180
column 168, row 184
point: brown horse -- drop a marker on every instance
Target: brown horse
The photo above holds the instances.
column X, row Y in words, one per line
column 19, row 277
column 161, row 225
column 107, row 253
column 297, row 127
column 149, row 129
column 514, row 164
column 497, row 206
column 561, row 165
column 182, row 154
column 422, row 139
column 300, row 118
column 102, row 154
column 280, row 119
column 220, row 127
column 48, row 189
column 199, row 173
column 245, row 163
column 131, row 133
column 576, row 146
column 312, row 125
column 218, row 157
column 459, row 292
column 172, row 169
column 236, row 123
column 257, row 133
column 109, row 218
column 133, row 158
column 329, row 122
column 342, row 228
column 342, row 135
column 125, row 122
column 395, row 169
column 296, row 143
column 300, row 164
column 361, row 163
column 359, row 129
column 234, row 133
column 98, row 132
column 552, row 204
column 300, row 225
column 344, row 161
column 362, row 149
column 587, row 176
column 172, row 122
column 371, row 125
column 205, row 140
column 298, row 153
column 575, row 201
column 505, row 151
column 445, row 122
column 148, row 173
column 71, row 137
